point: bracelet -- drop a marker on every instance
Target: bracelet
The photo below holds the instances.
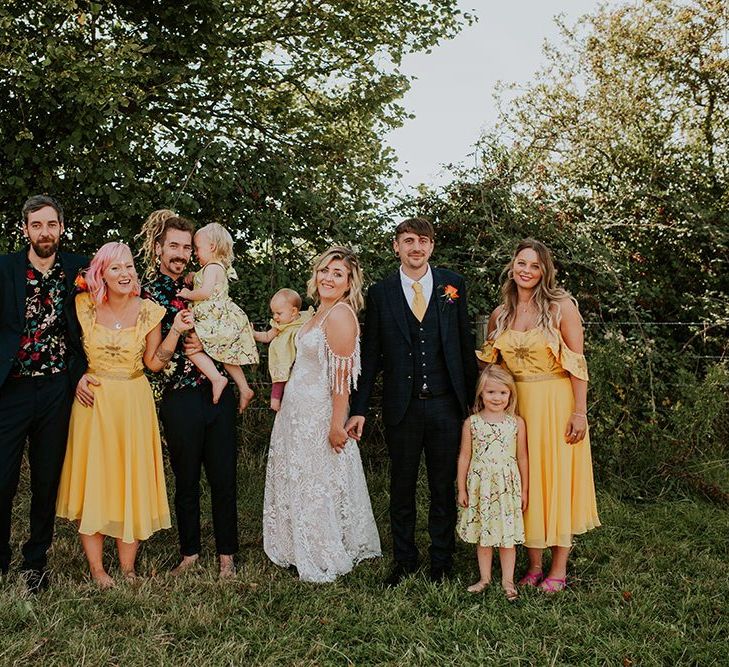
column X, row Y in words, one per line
column 579, row 414
column 175, row 330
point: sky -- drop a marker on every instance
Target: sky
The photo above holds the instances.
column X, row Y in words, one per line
column 452, row 98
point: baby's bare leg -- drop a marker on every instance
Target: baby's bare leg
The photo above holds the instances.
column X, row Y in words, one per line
column 207, row 367
column 246, row 393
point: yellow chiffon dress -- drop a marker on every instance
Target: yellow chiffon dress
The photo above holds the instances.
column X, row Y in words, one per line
column 113, row 478
column 561, row 488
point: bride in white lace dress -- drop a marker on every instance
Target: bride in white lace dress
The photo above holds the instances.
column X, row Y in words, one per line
column 317, row 514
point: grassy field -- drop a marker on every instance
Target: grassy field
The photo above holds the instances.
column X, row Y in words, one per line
column 648, row 588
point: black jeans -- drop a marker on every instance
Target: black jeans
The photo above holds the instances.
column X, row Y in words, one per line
column 200, row 434
column 434, row 426
column 36, row 410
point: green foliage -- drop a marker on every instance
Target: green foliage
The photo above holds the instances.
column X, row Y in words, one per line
column 266, row 116
column 617, row 157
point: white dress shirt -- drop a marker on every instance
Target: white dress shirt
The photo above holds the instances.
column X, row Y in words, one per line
column 407, row 286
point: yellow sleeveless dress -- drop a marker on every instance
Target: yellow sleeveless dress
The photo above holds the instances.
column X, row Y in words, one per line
column 561, row 488
column 113, row 478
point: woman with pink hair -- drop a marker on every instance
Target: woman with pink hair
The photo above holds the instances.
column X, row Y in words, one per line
column 112, row 481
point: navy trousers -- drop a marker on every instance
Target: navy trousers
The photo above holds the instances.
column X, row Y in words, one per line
column 202, row 435
column 432, row 426
column 35, row 410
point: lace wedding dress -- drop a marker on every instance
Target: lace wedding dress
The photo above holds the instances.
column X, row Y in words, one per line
column 316, row 510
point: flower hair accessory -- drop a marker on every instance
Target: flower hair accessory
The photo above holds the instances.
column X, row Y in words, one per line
column 81, row 283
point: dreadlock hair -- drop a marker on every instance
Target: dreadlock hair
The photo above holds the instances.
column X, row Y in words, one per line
column 154, row 231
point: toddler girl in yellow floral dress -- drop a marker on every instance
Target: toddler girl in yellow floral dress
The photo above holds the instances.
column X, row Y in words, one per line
column 223, row 328
column 493, row 478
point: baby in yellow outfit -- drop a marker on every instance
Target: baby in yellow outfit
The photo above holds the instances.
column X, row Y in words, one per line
column 285, row 323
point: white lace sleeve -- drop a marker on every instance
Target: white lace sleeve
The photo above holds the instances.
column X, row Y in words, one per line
column 343, row 371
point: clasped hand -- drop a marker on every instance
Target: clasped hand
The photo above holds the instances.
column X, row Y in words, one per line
column 337, row 438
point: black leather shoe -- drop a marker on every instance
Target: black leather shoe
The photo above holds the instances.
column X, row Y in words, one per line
column 399, row 572
column 439, row 573
column 35, row 580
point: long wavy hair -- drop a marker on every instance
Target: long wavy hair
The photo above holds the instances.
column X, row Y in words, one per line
column 546, row 296
column 353, row 296
column 108, row 253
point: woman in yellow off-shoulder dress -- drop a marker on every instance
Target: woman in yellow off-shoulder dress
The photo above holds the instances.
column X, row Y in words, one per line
column 536, row 333
column 112, row 481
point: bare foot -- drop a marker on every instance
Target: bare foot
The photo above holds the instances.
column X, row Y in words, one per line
column 227, row 567
column 184, row 565
column 219, row 384
column 510, row 592
column 103, row 580
column 479, row 587
column 245, row 398
column 275, row 404
column 131, row 577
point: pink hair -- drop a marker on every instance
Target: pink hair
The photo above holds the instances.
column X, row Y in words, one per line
column 105, row 255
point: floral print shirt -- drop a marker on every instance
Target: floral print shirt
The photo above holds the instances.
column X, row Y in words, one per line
column 180, row 372
column 43, row 342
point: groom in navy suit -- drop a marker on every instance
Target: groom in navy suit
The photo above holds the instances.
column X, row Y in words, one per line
column 417, row 333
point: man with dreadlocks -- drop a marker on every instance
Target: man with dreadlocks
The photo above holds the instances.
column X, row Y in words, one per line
column 198, row 433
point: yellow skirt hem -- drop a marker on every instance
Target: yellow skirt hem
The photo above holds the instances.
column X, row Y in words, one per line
column 158, row 524
column 544, row 545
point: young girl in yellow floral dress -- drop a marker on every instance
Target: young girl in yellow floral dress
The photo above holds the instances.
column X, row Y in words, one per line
column 223, row 328
column 493, row 481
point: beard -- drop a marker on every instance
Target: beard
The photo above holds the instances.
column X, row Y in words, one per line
column 45, row 250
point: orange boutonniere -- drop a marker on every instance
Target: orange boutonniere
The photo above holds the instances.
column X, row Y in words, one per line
column 449, row 294
column 81, row 283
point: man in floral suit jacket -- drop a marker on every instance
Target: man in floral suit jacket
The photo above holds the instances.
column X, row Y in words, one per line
column 417, row 332
column 41, row 363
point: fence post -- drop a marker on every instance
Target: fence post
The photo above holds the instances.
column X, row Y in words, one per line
column 481, row 322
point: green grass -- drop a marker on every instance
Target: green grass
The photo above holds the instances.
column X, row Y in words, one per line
column 648, row 588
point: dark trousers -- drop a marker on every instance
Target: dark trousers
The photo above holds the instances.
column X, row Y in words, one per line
column 200, row 434
column 434, row 426
column 36, row 409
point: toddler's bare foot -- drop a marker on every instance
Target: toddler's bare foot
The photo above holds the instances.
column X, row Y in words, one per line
column 479, row 586
column 130, row 576
column 184, row 565
column 103, row 580
column 219, row 384
column 227, row 567
column 275, row 404
column 245, row 398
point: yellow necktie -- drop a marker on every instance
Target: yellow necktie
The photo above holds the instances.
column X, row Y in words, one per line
column 419, row 306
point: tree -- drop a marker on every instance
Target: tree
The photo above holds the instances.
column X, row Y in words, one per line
column 266, row 116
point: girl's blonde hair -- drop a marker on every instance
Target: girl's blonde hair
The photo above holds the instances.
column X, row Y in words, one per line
column 502, row 376
column 222, row 242
column 546, row 296
column 353, row 296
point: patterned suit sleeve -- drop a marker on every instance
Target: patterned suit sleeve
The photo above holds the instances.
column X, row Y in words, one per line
column 468, row 344
column 371, row 353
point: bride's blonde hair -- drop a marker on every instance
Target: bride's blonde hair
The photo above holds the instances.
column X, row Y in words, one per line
column 353, row 295
column 547, row 295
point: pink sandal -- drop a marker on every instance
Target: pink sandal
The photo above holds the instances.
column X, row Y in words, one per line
column 553, row 585
column 531, row 579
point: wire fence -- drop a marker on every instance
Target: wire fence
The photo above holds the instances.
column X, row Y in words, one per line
column 697, row 333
